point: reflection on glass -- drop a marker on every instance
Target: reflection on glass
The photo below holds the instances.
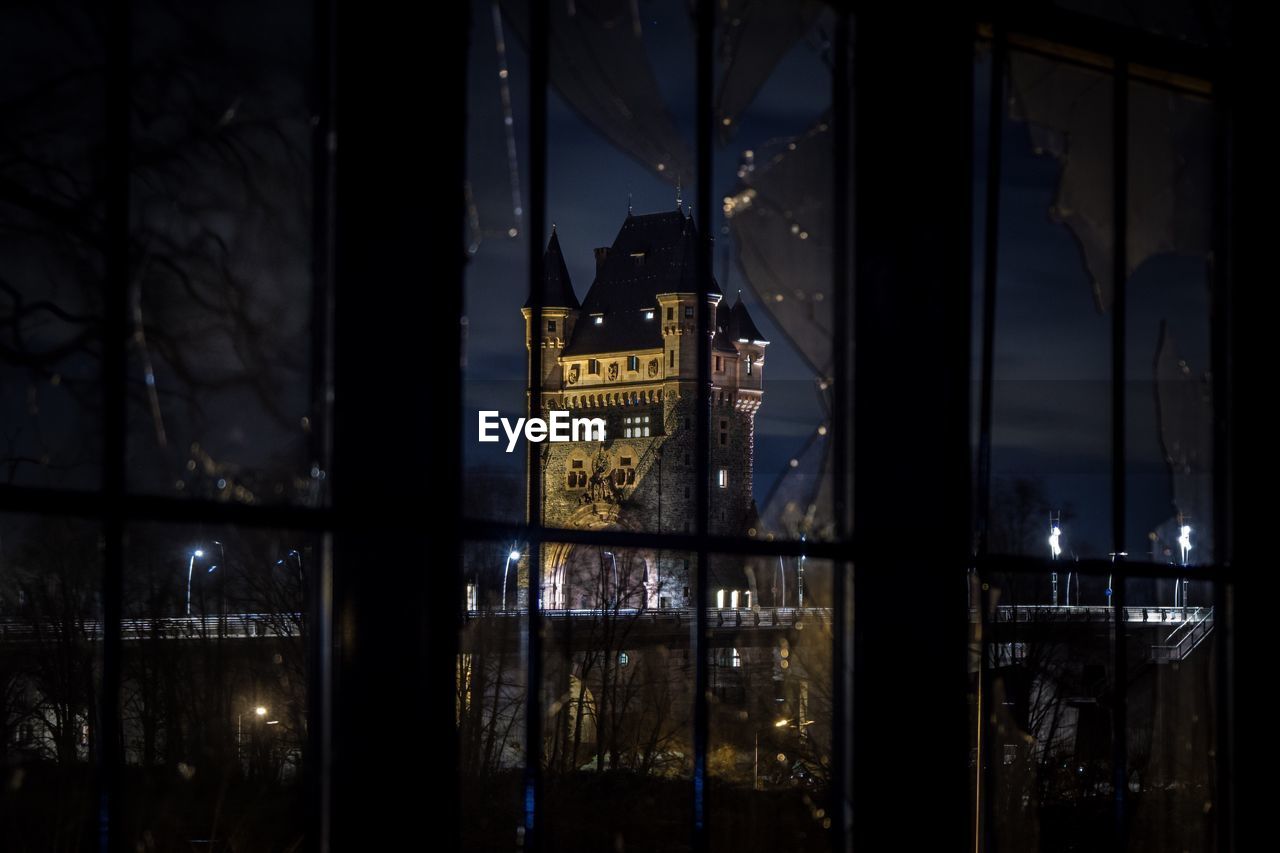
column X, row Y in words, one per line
column 214, row 693
column 491, row 681
column 497, row 273
column 50, row 669
column 220, row 292
column 1169, row 417
column 1044, row 676
column 1051, row 428
column 1171, row 707
column 772, row 688
column 775, row 247
column 617, row 697
column 1042, row 756
column 52, row 91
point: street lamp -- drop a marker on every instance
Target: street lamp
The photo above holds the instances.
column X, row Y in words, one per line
column 611, row 556
column 1184, row 544
column 800, row 580
column 514, row 554
column 1055, row 551
column 190, row 568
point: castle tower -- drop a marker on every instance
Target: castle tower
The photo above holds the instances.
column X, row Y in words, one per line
column 628, row 354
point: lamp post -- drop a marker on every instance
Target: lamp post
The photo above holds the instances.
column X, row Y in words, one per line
column 800, row 579
column 613, row 557
column 1055, row 551
column 190, row 569
column 513, row 554
column 259, row 712
column 755, row 765
column 1184, row 545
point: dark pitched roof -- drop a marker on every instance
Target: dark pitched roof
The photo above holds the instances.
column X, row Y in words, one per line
column 557, row 289
column 720, row 341
column 740, row 325
column 652, row 254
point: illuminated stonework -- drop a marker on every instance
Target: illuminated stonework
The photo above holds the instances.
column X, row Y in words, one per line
column 633, row 362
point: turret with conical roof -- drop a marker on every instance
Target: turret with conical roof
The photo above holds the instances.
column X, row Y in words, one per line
column 560, row 308
column 628, row 354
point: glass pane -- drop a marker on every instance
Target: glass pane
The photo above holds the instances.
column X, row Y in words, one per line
column 1169, row 413
column 53, row 96
column 497, row 274
column 617, row 698
column 771, row 698
column 1051, row 416
column 214, row 699
column 220, row 311
column 771, row 432
column 1171, row 708
column 620, row 179
column 492, row 679
column 1043, row 744
column 50, row 674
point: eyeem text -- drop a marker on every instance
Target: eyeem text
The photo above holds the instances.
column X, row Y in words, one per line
column 559, row 427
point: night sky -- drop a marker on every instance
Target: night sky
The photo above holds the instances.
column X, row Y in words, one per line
column 1052, row 416
column 1052, row 411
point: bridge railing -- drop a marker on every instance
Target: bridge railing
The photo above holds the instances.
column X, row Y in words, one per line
column 229, row 626
column 1092, row 613
column 762, row 617
column 1183, row 640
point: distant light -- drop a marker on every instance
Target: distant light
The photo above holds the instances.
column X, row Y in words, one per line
column 648, row 315
column 1054, row 536
column 261, row 711
column 599, row 321
column 514, row 555
column 198, row 552
column 781, row 724
column 1184, row 541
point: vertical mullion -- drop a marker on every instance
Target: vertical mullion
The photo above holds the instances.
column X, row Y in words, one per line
column 1119, row 274
column 991, row 247
column 985, row 770
column 910, row 442
column 114, row 382
column 1221, row 324
column 539, row 50
column 318, row 581
column 841, row 93
column 704, row 110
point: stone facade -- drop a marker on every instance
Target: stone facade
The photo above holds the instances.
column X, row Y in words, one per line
column 628, row 354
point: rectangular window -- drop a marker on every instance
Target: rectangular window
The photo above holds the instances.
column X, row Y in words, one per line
column 551, row 325
column 671, row 312
column 749, row 360
column 688, row 311
column 722, row 478
column 671, row 358
column 593, row 366
column 633, row 362
column 719, row 365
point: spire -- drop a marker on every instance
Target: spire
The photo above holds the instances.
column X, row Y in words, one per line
column 679, row 193
column 628, row 204
column 741, row 327
column 557, row 289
